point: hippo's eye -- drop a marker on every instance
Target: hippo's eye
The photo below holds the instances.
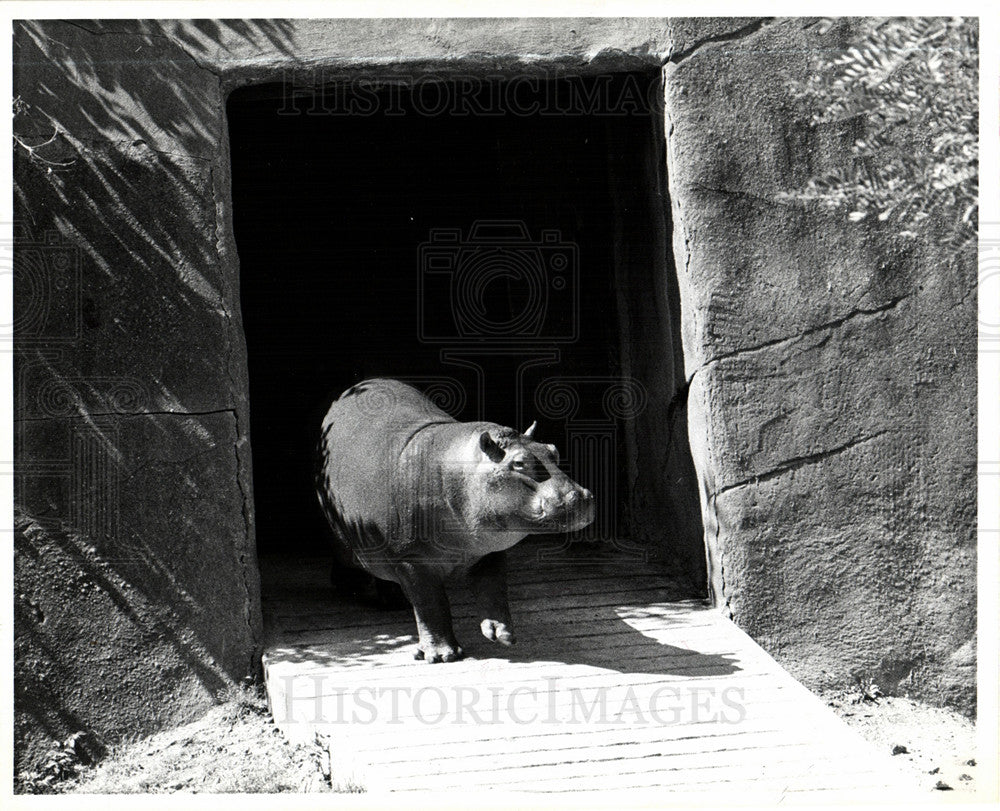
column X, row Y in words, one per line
column 528, row 467
column 523, row 466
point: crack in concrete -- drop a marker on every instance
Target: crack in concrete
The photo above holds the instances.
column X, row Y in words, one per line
column 228, row 253
column 829, row 325
column 128, row 414
column 714, row 550
column 81, row 27
column 798, row 462
column 140, row 142
column 149, row 35
column 758, row 198
column 970, row 292
column 739, row 33
column 103, row 146
column 244, row 551
column 723, row 597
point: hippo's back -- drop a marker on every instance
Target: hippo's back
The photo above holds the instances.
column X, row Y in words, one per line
column 364, row 432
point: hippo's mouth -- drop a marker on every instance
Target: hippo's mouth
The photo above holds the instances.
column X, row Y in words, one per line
column 578, row 520
column 563, row 518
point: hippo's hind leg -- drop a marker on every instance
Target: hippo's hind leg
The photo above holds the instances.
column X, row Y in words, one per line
column 488, row 580
column 358, row 586
column 425, row 590
column 389, row 596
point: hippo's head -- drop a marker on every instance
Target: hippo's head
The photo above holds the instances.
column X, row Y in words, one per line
column 522, row 487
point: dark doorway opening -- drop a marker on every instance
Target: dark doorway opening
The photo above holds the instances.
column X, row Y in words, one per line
column 503, row 245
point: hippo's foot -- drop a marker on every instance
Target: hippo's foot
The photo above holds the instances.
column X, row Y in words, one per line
column 438, row 652
column 497, row 631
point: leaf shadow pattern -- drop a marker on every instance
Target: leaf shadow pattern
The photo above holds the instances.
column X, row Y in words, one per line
column 591, row 629
column 119, row 158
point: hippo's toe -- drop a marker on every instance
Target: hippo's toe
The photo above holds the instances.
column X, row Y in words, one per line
column 497, row 631
column 438, row 652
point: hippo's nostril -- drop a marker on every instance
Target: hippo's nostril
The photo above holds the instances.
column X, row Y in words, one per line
column 587, row 495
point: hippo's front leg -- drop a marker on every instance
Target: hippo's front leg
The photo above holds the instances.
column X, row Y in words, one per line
column 425, row 590
column 488, row 580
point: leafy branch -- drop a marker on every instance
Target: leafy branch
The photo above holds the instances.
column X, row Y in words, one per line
column 64, row 762
column 910, row 86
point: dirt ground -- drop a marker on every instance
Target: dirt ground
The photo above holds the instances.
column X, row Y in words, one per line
column 937, row 746
column 235, row 748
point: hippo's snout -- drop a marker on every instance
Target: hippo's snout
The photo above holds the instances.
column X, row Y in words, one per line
column 567, row 510
column 581, row 508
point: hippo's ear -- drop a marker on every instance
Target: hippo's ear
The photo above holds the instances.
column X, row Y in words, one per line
column 489, row 446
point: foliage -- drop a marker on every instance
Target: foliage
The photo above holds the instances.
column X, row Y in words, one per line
column 64, row 762
column 911, row 87
column 238, row 701
column 865, row 690
column 234, row 748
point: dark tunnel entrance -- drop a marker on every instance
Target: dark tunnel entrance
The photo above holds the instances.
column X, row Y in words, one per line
column 502, row 245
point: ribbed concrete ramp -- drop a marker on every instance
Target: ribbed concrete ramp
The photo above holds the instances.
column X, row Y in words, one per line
column 615, row 684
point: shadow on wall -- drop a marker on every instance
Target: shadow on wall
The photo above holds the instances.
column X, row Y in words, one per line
column 60, row 580
column 135, row 602
column 123, row 81
column 136, row 610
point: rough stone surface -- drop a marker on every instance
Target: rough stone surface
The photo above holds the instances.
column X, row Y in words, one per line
column 136, row 580
column 134, row 612
column 832, row 406
column 128, row 307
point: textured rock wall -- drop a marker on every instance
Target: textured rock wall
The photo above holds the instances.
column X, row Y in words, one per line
column 136, row 590
column 833, row 394
column 831, row 408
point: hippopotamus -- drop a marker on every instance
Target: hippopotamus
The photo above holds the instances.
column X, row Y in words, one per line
column 418, row 498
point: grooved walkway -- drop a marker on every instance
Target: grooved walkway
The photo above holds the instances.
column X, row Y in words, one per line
column 615, row 683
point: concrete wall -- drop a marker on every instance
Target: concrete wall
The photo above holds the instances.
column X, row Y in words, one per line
column 136, row 584
column 833, row 395
column 831, row 409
